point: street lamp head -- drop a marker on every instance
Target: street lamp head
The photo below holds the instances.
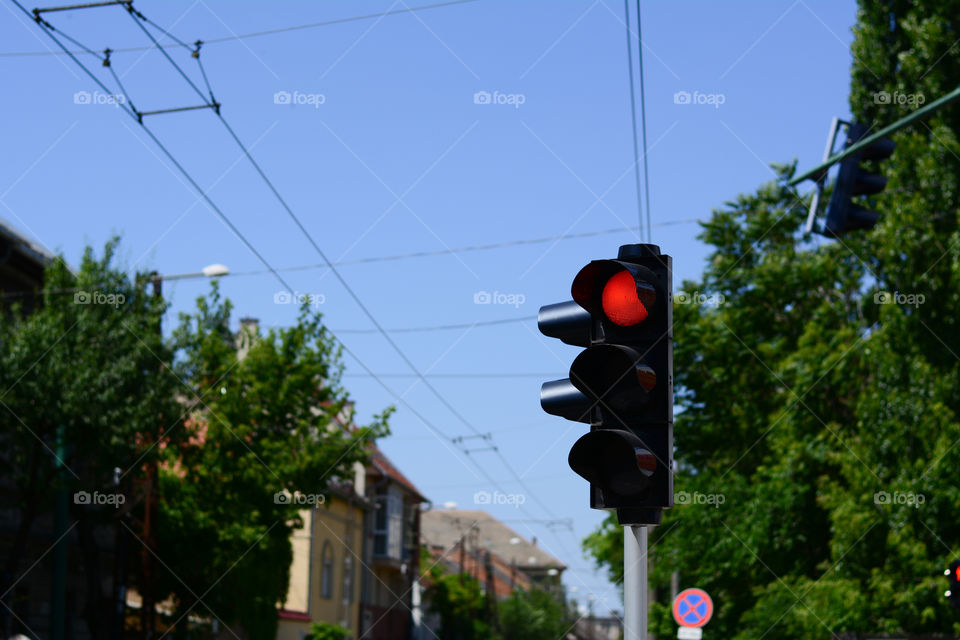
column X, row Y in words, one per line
column 215, row 270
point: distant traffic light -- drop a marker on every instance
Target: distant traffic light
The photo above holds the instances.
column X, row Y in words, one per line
column 953, row 575
column 622, row 383
column 842, row 214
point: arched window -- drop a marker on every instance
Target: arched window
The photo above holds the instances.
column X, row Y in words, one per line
column 326, row 571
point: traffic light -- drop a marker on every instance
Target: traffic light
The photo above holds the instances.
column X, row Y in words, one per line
column 622, row 383
column 842, row 214
column 953, row 575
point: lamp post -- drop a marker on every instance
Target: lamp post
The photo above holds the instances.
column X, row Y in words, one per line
column 147, row 594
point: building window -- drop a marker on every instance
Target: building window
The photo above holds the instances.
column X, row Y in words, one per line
column 388, row 524
column 326, row 571
column 347, row 578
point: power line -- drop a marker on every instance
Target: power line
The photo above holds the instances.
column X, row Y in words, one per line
column 463, row 375
column 399, row 398
column 444, row 327
column 481, row 247
column 633, row 114
column 243, row 36
column 343, row 282
column 643, row 121
column 136, row 16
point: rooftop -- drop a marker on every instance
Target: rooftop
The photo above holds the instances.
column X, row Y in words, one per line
column 444, row 528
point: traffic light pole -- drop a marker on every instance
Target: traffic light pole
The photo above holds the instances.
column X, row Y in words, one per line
column 635, row 605
column 820, row 169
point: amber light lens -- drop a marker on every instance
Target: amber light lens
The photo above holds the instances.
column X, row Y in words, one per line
column 621, row 301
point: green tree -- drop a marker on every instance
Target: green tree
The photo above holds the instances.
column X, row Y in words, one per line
column 821, row 416
column 325, row 631
column 85, row 367
column 459, row 601
column 267, row 419
column 533, row 615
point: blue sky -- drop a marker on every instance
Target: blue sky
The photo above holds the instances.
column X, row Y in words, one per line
column 383, row 149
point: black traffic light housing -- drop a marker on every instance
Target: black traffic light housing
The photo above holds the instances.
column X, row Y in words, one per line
column 622, row 383
column 953, row 575
column 842, row 214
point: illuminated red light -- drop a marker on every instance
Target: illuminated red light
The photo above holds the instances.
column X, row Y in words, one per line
column 620, row 300
column 958, row 572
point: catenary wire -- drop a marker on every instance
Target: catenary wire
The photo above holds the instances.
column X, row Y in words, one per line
column 246, row 242
column 243, row 36
column 643, row 124
column 343, row 282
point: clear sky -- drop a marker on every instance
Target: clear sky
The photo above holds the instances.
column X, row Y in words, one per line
column 385, row 148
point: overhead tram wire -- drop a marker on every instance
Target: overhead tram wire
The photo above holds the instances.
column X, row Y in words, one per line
column 243, row 36
column 440, row 434
column 643, row 123
column 633, row 115
column 481, row 247
column 48, row 29
column 136, row 16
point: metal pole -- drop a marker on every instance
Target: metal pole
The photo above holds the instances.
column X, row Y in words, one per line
column 634, row 583
column 60, row 516
column 882, row 133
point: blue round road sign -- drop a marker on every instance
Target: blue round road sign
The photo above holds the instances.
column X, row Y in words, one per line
column 692, row 608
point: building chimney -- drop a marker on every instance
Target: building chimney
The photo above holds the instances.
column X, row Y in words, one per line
column 245, row 337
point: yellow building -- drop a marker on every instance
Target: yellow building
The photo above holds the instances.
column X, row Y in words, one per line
column 355, row 558
column 327, row 558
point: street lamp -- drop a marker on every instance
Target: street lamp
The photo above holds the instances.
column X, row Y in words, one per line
column 148, row 599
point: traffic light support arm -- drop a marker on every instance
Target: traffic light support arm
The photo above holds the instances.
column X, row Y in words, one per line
column 820, row 169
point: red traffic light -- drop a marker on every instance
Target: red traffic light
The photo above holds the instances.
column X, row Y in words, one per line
column 623, row 292
column 621, row 299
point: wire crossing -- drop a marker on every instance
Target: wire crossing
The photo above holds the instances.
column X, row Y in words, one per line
column 138, row 19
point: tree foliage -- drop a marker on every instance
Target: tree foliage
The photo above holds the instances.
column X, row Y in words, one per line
column 267, row 421
column 533, row 615
column 82, row 370
column 819, row 397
